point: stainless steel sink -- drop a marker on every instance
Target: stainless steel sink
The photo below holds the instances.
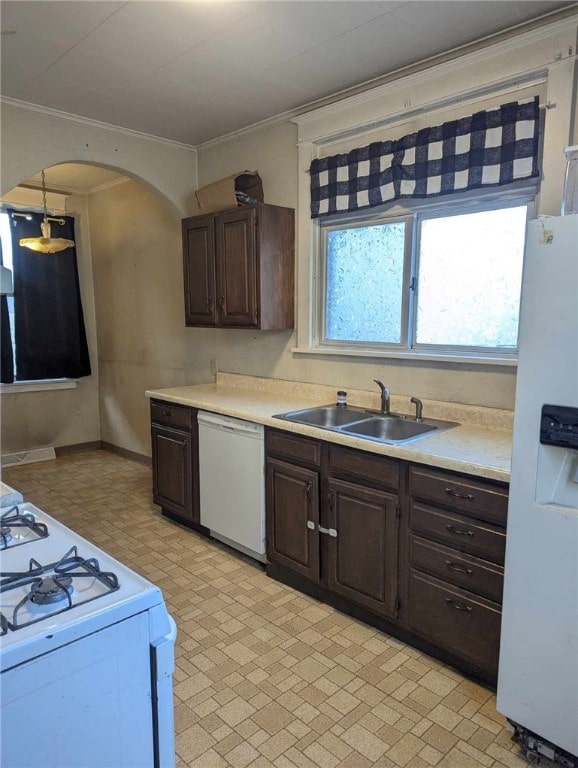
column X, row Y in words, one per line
column 389, row 429
column 368, row 425
column 326, row 416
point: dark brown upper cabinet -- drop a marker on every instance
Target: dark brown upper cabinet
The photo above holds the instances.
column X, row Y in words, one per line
column 239, row 268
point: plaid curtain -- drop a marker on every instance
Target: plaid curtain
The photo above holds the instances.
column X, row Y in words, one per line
column 487, row 149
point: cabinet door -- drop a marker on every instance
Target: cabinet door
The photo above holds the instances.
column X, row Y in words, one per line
column 363, row 546
column 199, row 270
column 292, row 515
column 237, row 268
column 172, row 465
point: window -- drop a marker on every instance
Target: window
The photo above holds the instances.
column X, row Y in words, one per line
column 442, row 281
column 7, row 261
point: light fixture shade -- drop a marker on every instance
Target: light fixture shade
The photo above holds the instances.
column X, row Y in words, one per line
column 46, row 244
column 6, row 283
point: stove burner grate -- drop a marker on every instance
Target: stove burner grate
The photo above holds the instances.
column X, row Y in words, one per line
column 51, row 585
column 13, row 519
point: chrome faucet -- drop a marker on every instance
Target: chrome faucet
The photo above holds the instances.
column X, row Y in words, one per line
column 385, row 398
column 418, row 408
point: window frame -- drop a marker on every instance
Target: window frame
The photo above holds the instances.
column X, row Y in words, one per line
column 414, row 212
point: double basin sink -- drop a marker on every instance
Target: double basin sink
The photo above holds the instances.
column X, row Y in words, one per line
column 390, row 428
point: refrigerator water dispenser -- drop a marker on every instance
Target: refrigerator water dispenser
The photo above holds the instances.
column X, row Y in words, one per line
column 557, row 471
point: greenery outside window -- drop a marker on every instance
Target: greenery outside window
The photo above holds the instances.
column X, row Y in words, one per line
column 441, row 281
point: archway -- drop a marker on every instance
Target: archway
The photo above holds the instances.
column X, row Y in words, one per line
column 130, row 266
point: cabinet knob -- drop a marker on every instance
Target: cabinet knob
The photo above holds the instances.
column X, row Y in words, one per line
column 222, row 304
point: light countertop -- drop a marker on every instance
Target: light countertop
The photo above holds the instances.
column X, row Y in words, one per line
column 480, row 446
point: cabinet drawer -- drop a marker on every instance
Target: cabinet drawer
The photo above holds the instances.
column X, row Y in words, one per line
column 479, row 499
column 457, row 620
column 368, row 466
column 301, row 449
column 169, row 413
column 464, row 571
column 459, row 532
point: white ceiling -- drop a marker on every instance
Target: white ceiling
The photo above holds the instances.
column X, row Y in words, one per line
column 193, row 71
column 75, row 177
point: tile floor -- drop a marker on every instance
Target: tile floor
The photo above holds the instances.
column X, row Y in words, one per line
column 266, row 677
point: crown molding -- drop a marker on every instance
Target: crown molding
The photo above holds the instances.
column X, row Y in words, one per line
column 439, row 65
column 95, row 123
column 478, row 50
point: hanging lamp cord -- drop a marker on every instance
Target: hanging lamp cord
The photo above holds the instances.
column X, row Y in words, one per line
column 44, row 197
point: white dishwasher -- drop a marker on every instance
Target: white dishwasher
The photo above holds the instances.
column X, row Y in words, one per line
column 232, row 482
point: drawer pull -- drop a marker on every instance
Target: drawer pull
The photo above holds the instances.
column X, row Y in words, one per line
column 329, row 531
column 457, row 495
column 459, row 531
column 458, row 568
column 457, row 605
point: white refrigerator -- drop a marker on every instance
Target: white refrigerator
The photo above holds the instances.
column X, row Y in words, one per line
column 538, row 671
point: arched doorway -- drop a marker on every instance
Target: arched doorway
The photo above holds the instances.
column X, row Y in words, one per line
column 130, row 269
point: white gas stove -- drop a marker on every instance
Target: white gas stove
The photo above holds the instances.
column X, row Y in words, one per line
column 86, row 643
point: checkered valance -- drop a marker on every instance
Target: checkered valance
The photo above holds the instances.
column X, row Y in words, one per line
column 487, row 149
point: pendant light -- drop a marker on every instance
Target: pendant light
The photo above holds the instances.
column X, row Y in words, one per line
column 46, row 244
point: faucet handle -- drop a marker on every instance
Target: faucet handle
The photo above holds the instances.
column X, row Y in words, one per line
column 418, row 408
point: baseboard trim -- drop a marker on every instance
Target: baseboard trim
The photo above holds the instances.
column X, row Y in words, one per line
column 66, row 450
column 126, row 454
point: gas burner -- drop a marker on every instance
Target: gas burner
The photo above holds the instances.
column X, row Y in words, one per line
column 52, row 589
column 43, row 591
column 17, row 528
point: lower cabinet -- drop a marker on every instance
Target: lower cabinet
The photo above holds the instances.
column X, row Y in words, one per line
column 416, row 551
column 329, row 523
column 293, row 517
column 175, row 461
column 456, row 547
column 172, row 486
column 363, row 546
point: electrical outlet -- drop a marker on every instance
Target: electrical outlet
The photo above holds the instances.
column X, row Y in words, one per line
column 214, row 367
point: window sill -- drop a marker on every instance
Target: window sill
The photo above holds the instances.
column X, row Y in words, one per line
column 508, row 362
column 37, row 386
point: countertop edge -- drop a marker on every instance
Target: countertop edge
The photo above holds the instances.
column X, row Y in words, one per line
column 442, row 451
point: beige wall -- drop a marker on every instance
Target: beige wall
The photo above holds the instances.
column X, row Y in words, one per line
column 31, row 140
column 137, row 262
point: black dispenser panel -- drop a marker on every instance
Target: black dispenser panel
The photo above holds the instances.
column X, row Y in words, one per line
column 559, row 426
